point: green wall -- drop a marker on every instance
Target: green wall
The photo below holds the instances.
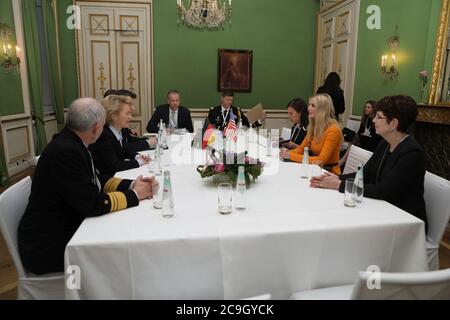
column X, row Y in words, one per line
column 68, row 54
column 11, row 98
column 282, row 37
column 417, row 25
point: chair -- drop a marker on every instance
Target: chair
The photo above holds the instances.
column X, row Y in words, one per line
column 356, row 155
column 432, row 285
column 266, row 296
column 13, row 202
column 437, row 192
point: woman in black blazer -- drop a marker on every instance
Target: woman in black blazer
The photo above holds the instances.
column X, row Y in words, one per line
column 396, row 170
column 298, row 114
column 116, row 149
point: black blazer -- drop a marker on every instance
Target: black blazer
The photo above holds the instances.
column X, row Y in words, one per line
column 337, row 95
column 109, row 156
column 298, row 133
column 63, row 193
column 366, row 142
column 215, row 117
column 133, row 144
column 162, row 112
column 396, row 177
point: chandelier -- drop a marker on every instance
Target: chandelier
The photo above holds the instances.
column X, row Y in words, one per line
column 210, row 14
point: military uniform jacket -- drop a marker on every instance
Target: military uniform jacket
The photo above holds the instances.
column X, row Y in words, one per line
column 216, row 117
column 64, row 191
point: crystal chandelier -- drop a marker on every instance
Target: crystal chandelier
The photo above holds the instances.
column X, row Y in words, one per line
column 210, row 14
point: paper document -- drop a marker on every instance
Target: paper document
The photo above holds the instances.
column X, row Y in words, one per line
column 254, row 113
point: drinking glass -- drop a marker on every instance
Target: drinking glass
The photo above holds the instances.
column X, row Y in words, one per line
column 225, row 192
column 350, row 193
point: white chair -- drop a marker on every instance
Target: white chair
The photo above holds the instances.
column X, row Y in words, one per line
column 353, row 124
column 13, row 202
column 436, row 195
column 356, row 155
column 432, row 285
column 266, row 296
column 285, row 133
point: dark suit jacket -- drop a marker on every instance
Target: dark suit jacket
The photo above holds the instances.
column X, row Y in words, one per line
column 365, row 142
column 63, row 193
column 110, row 157
column 337, row 95
column 162, row 112
column 298, row 134
column 132, row 144
column 399, row 179
column 215, row 117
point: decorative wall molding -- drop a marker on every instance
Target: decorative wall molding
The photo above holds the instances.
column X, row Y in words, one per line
column 434, row 114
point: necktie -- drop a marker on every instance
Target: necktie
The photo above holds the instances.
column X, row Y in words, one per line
column 94, row 173
column 173, row 123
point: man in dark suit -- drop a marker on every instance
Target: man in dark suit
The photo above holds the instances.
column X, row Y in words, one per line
column 66, row 189
column 219, row 116
column 172, row 114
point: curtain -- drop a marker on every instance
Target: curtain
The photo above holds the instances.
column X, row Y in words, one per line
column 54, row 66
column 34, row 70
column 4, row 181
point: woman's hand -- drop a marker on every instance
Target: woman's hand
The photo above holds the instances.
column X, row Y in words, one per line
column 285, row 154
column 327, row 181
column 291, row 145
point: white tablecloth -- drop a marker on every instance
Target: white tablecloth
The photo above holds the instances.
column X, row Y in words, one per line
column 291, row 238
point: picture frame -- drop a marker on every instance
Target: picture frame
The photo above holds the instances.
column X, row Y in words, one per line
column 234, row 70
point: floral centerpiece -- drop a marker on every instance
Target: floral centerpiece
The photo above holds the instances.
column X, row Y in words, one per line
column 225, row 169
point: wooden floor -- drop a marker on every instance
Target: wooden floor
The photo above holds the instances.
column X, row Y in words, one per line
column 8, row 273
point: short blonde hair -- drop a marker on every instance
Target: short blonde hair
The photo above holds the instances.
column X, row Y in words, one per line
column 113, row 104
column 324, row 116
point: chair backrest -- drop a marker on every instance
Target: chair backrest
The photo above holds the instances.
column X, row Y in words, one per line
column 403, row 286
column 436, row 195
column 353, row 124
column 13, row 202
column 355, row 156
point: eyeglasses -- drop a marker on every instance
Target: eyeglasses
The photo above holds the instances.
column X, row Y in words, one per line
column 377, row 116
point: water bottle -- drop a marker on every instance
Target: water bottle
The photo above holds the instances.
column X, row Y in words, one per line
column 157, row 161
column 269, row 144
column 167, row 197
column 158, row 195
column 239, row 199
column 359, row 183
column 305, row 164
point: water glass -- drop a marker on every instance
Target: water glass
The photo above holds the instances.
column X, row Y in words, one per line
column 158, row 194
column 350, row 193
column 225, row 193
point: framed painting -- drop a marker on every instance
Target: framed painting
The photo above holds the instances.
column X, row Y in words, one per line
column 235, row 70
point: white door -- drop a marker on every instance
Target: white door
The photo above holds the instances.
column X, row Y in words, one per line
column 114, row 51
column 336, row 48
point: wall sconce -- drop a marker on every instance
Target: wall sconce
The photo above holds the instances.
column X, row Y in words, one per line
column 9, row 60
column 392, row 70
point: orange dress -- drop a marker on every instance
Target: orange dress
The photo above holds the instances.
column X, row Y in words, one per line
column 326, row 149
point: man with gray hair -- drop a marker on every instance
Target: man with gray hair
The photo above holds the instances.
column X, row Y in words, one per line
column 66, row 189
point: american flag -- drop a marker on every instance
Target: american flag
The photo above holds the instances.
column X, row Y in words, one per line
column 231, row 130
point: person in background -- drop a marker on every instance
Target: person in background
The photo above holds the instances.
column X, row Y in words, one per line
column 132, row 143
column 109, row 151
column 298, row 114
column 66, row 189
column 323, row 138
column 367, row 137
column 395, row 172
column 173, row 115
column 219, row 116
column 332, row 87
